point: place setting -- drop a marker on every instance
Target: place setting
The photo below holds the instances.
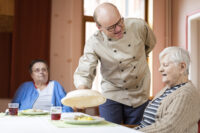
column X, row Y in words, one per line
column 77, row 99
column 13, row 111
column 83, row 119
column 81, row 99
column 33, row 112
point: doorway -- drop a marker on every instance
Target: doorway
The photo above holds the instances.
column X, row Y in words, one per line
column 192, row 43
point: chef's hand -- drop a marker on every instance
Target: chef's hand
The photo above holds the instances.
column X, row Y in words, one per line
column 80, row 109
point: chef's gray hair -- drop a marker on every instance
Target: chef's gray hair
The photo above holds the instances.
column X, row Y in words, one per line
column 177, row 55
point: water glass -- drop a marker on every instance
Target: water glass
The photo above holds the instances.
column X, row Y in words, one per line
column 13, row 108
column 56, row 112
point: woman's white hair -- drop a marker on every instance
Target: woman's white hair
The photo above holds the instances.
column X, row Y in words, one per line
column 177, row 55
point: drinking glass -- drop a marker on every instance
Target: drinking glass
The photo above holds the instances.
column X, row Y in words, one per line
column 56, row 112
column 13, row 108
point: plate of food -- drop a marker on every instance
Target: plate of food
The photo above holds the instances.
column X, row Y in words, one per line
column 34, row 112
column 83, row 119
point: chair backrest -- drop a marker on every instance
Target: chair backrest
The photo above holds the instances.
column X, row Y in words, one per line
column 130, row 126
column 4, row 104
column 94, row 111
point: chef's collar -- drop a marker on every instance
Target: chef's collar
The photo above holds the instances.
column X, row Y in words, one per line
column 111, row 39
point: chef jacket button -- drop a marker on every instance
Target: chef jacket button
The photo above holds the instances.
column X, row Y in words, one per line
column 109, row 39
column 124, row 81
column 122, row 70
column 124, row 32
column 129, row 45
column 115, row 50
column 134, row 67
column 133, row 57
column 126, row 88
column 136, row 77
column 120, row 62
column 136, row 86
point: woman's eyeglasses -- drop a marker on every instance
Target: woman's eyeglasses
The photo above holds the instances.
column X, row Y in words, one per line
column 38, row 70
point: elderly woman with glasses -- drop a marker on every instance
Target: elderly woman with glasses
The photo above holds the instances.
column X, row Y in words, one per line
column 121, row 45
column 40, row 93
column 176, row 108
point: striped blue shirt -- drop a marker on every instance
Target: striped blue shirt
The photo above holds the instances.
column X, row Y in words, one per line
column 149, row 115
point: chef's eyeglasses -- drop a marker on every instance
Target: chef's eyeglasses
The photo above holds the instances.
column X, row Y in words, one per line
column 113, row 27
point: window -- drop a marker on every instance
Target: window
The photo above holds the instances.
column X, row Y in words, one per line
column 127, row 8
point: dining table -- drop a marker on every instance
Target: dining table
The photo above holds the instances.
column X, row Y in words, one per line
column 44, row 124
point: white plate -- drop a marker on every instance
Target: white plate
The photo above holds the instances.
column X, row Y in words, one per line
column 71, row 120
column 34, row 112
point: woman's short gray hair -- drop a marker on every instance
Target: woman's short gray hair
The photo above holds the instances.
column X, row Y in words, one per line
column 177, row 55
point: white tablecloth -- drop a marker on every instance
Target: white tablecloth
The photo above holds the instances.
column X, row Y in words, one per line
column 42, row 124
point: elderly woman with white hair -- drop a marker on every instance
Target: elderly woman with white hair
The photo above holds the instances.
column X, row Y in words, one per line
column 176, row 108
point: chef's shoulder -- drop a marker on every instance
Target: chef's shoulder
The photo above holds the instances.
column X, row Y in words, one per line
column 96, row 37
column 135, row 23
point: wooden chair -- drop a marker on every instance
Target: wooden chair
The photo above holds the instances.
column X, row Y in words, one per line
column 129, row 126
column 93, row 111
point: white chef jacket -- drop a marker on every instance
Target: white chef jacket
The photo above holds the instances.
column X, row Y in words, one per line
column 124, row 67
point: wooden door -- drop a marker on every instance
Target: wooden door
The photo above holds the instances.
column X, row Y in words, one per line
column 5, row 58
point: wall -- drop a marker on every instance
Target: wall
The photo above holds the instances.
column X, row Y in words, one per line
column 6, row 15
column 180, row 9
column 159, row 28
column 66, row 40
column 4, row 104
column 169, row 25
column 7, row 7
column 31, row 38
column 6, row 28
